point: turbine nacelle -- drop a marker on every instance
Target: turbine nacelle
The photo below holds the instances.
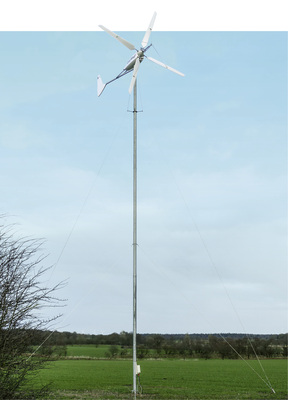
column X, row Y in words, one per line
column 131, row 62
column 134, row 62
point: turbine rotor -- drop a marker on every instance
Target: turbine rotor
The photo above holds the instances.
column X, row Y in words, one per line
column 134, row 62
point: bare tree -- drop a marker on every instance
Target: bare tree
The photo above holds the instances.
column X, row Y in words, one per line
column 23, row 296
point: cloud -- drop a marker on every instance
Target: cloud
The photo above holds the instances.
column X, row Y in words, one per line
column 211, row 184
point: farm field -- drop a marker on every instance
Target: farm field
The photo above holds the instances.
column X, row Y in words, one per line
column 88, row 351
column 166, row 379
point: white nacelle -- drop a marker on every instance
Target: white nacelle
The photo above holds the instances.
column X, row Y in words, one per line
column 132, row 60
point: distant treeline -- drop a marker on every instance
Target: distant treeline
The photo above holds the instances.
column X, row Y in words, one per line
column 226, row 345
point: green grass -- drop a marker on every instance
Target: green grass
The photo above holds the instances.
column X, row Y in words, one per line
column 166, row 379
column 88, row 351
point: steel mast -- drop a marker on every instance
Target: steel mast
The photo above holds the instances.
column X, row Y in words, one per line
column 133, row 66
column 134, row 238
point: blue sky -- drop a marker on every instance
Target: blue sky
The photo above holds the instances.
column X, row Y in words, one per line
column 212, row 175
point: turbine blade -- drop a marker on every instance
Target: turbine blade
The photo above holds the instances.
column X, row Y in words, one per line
column 164, row 66
column 148, row 32
column 135, row 71
column 121, row 40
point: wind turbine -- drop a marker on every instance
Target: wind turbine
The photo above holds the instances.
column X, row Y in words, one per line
column 133, row 66
column 134, row 62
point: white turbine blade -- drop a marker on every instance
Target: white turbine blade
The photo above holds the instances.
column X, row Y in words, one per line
column 121, row 40
column 164, row 66
column 135, row 71
column 148, row 32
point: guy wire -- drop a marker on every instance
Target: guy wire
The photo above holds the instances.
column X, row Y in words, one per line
column 74, row 226
column 218, row 275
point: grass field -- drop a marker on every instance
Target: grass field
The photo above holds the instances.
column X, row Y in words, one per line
column 88, row 351
column 166, row 379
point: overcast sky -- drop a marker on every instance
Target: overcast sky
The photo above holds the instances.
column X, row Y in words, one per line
column 212, row 174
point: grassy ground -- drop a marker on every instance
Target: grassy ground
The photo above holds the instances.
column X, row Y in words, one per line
column 88, row 351
column 166, row 379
